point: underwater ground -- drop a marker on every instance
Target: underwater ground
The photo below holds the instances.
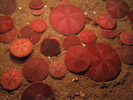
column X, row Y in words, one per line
column 72, row 86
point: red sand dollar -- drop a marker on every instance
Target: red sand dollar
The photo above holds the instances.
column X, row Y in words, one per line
column 6, row 23
column 50, row 46
column 106, row 21
column 37, row 11
column 38, row 25
column 117, row 8
column 67, row 19
column 21, row 47
column 77, row 59
column 87, row 36
column 70, row 41
column 9, row 36
column 105, row 62
column 37, row 91
column 11, row 79
column 130, row 15
column 36, row 4
column 35, row 69
column 126, row 54
column 57, row 69
column 108, row 33
column 126, row 38
column 27, row 32
column 8, row 7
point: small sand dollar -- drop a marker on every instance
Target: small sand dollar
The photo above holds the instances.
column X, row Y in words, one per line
column 77, row 59
column 28, row 33
column 37, row 11
column 21, row 47
column 9, row 36
column 36, row 4
column 106, row 21
column 38, row 25
column 6, row 23
column 126, row 54
column 70, row 41
column 57, row 69
column 50, row 46
column 11, row 79
column 87, row 36
column 35, row 69
column 130, row 15
column 108, row 33
column 126, row 38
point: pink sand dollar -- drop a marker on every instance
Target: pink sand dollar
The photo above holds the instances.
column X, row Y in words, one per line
column 117, row 8
column 130, row 15
column 21, row 47
column 9, row 36
column 37, row 91
column 108, row 33
column 126, row 54
column 8, row 7
column 70, row 41
column 87, row 36
column 37, row 11
column 6, row 23
column 105, row 62
column 67, row 19
column 126, row 38
column 57, row 69
column 106, row 21
column 28, row 33
column 11, row 79
column 35, row 69
column 36, row 4
column 38, row 25
column 50, row 46
column 77, row 59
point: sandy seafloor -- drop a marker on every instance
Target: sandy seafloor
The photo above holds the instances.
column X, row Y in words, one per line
column 121, row 88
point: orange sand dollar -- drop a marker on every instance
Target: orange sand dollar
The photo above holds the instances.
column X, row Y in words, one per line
column 21, row 47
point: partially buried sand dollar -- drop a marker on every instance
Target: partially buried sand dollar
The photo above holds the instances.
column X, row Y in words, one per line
column 8, row 7
column 126, row 54
column 9, row 36
column 28, row 33
column 77, row 59
column 37, row 91
column 6, row 23
column 70, row 41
